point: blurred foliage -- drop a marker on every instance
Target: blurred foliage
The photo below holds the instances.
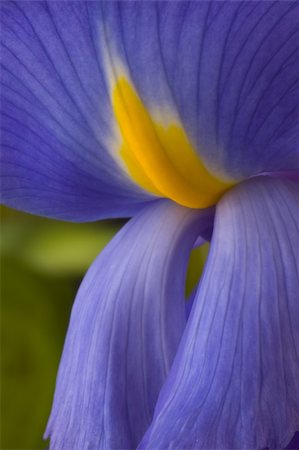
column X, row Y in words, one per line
column 52, row 247
column 196, row 264
column 34, row 317
column 42, row 264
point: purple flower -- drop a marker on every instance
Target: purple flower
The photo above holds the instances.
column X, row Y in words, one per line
column 183, row 116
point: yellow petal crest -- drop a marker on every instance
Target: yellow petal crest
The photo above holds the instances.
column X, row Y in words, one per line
column 161, row 159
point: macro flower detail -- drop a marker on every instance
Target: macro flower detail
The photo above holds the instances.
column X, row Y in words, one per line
column 150, row 150
column 183, row 117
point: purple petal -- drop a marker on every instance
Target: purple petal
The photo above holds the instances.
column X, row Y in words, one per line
column 126, row 323
column 189, row 302
column 294, row 444
column 56, row 115
column 228, row 68
column 234, row 383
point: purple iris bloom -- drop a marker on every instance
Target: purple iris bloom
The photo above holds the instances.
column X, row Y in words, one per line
column 185, row 117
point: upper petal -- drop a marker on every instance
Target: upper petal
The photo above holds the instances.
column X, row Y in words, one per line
column 218, row 85
column 56, row 122
column 234, row 382
column 227, row 72
column 126, row 323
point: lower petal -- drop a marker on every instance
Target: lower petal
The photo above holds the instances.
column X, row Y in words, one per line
column 125, row 327
column 234, row 383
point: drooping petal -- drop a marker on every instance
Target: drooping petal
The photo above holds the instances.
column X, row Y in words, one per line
column 125, row 327
column 228, row 71
column 234, row 382
column 57, row 123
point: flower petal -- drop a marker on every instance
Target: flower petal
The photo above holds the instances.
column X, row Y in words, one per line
column 228, row 70
column 56, row 115
column 239, row 107
column 125, row 327
column 294, row 444
column 234, row 383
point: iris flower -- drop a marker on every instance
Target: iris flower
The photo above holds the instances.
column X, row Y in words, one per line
column 183, row 116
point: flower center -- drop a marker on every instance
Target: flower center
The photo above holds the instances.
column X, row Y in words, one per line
column 161, row 159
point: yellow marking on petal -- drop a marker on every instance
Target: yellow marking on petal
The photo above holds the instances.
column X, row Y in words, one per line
column 135, row 169
column 161, row 159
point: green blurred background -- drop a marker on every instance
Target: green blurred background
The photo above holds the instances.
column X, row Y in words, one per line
column 42, row 264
